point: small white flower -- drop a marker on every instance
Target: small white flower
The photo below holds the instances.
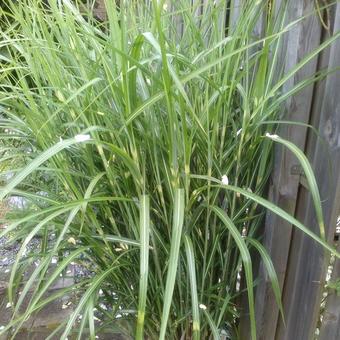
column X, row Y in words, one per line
column 54, row 260
column 204, row 307
column 82, row 138
column 101, row 293
column 2, row 327
column 71, row 240
column 271, row 136
column 225, row 180
column 9, row 304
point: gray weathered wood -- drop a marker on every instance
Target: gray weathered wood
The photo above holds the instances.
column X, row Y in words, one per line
column 302, row 39
column 308, row 262
column 99, row 10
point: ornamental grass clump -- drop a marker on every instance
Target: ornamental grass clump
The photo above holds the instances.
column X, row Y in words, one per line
column 139, row 145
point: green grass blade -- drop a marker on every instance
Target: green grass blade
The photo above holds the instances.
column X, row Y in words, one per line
column 214, row 330
column 177, row 224
column 85, row 298
column 189, row 249
column 144, row 263
column 90, row 313
column 37, row 300
column 271, row 272
column 246, row 259
column 46, row 155
column 276, row 210
column 118, row 239
column 24, row 245
column 308, row 171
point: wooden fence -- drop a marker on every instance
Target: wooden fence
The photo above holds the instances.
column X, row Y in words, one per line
column 300, row 263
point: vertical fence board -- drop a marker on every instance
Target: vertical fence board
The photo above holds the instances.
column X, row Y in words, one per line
column 308, row 261
column 99, row 10
column 302, row 39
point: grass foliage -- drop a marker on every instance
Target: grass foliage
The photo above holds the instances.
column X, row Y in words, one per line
column 139, row 145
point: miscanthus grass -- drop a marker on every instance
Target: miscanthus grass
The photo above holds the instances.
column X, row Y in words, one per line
column 142, row 146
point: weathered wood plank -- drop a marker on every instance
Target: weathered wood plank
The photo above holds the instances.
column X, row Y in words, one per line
column 99, row 10
column 302, row 39
column 235, row 12
column 308, row 262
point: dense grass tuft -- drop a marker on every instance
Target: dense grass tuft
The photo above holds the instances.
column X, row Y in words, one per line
column 139, row 146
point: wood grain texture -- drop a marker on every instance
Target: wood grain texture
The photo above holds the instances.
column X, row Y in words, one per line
column 302, row 39
column 308, row 262
column 99, row 10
